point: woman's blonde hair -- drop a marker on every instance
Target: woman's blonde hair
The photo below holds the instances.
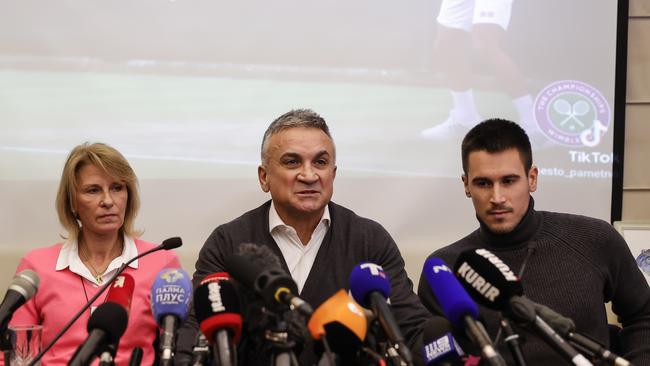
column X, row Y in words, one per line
column 115, row 165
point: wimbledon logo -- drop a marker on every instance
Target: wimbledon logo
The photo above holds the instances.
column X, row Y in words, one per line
column 172, row 275
column 572, row 113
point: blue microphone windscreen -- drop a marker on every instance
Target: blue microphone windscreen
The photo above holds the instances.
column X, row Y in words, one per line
column 171, row 293
column 452, row 297
column 365, row 278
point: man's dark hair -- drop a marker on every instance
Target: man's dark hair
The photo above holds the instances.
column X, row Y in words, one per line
column 496, row 135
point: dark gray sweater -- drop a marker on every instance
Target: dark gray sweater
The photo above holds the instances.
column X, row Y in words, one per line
column 350, row 239
column 575, row 265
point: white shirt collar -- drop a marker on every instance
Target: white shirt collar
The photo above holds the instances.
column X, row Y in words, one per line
column 275, row 220
column 69, row 258
column 298, row 257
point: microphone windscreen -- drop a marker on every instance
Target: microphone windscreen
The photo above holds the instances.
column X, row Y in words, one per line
column 26, row 283
column 522, row 310
column 559, row 323
column 487, row 279
column 243, row 270
column 217, row 276
column 262, row 264
column 216, row 306
column 110, row 317
column 439, row 343
column 259, row 269
column 365, row 278
column 121, row 291
column 250, row 261
column 340, row 308
column 261, row 255
column 171, row 293
column 452, row 297
column 172, row 243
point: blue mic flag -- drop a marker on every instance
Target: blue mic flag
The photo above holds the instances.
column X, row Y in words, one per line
column 171, row 293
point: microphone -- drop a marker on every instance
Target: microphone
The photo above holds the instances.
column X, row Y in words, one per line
column 495, row 286
column 277, row 288
column 487, row 279
column 440, row 347
column 107, row 323
column 167, row 244
column 458, row 307
column 22, row 288
column 565, row 327
column 218, row 312
column 170, row 298
column 595, row 349
column 271, row 330
column 340, row 323
column 121, row 292
column 370, row 287
column 136, row 357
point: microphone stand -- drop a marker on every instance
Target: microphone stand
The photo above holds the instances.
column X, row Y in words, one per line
column 167, row 244
column 107, row 356
column 221, row 350
column 281, row 346
column 201, row 351
column 512, row 340
column 328, row 355
column 136, row 357
column 6, row 345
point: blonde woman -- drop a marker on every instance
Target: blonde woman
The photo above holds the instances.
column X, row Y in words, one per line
column 97, row 202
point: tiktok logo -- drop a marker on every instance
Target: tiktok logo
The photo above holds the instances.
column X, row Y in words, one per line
column 591, row 137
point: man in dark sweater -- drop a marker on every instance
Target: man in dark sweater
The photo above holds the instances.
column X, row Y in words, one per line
column 318, row 242
column 572, row 264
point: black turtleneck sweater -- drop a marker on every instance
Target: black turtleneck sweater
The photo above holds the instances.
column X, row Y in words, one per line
column 575, row 264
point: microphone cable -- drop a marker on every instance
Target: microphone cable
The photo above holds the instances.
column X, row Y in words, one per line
column 511, row 338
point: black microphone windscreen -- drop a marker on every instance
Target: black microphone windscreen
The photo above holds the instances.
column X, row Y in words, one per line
column 172, row 243
column 243, row 270
column 228, row 301
column 260, row 254
column 259, row 269
column 110, row 317
column 487, row 279
column 251, row 260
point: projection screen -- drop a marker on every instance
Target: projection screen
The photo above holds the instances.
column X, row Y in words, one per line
column 185, row 89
